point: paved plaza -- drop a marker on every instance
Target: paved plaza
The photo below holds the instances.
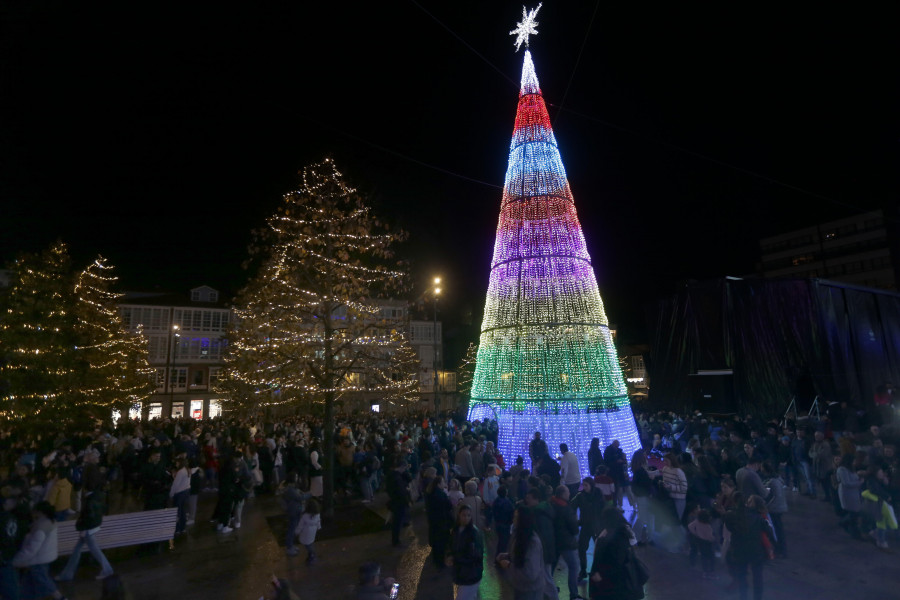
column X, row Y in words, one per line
column 824, row 562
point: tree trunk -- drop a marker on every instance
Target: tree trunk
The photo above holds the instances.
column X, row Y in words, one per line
column 328, row 426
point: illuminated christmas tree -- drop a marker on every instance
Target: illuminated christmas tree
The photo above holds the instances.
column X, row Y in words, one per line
column 309, row 328
column 546, row 358
column 38, row 369
column 114, row 371
column 66, row 358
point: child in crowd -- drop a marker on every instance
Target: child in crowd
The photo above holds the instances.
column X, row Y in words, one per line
column 702, row 539
column 310, row 523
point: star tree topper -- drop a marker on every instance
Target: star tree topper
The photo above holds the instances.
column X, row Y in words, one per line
column 527, row 27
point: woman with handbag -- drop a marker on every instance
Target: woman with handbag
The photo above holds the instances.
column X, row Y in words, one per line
column 616, row 573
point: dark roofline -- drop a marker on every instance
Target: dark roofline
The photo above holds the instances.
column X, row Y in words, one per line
column 167, row 299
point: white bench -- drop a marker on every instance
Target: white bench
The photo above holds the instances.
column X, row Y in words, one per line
column 128, row 529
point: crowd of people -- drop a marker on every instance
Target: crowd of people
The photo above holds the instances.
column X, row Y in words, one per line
column 713, row 488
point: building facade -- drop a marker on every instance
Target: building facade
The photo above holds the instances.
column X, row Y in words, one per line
column 186, row 338
column 855, row 250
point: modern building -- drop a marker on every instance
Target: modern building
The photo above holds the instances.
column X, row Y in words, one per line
column 426, row 338
column 186, row 336
column 855, row 250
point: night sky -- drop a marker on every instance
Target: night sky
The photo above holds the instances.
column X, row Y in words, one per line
column 160, row 136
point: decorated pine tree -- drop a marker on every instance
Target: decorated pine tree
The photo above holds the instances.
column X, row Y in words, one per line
column 38, row 367
column 308, row 328
column 112, row 362
column 466, row 370
column 546, row 358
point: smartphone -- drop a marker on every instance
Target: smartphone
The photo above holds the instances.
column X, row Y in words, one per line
column 395, row 591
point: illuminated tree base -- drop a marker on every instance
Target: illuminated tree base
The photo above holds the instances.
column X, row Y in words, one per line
column 559, row 422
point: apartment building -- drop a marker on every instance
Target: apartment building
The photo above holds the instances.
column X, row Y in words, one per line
column 855, row 250
column 186, row 337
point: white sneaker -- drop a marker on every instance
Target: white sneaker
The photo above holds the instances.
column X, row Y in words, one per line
column 237, row 525
column 219, row 527
column 191, row 522
column 226, row 530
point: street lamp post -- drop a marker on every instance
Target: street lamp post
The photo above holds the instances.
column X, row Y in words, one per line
column 170, row 389
column 436, row 291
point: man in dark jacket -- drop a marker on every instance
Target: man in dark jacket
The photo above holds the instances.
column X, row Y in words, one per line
column 155, row 482
column 88, row 524
column 589, row 503
column 565, row 530
column 398, row 481
column 543, row 526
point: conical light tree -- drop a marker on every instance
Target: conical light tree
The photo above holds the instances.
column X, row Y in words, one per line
column 308, row 326
column 546, row 358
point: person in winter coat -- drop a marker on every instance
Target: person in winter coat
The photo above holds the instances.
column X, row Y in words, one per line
column 849, row 494
column 878, row 500
column 523, row 565
column 474, row 502
column 503, row 510
column 310, row 524
column 565, row 530
column 675, row 483
column 88, row 524
column 440, row 519
column 39, row 549
column 609, row 575
column 776, row 504
column 746, row 549
column 60, row 493
column 820, row 454
column 179, row 493
column 194, row 494
column 466, row 555
column 543, row 526
column 294, row 503
column 589, row 503
column 595, row 456
column 398, row 481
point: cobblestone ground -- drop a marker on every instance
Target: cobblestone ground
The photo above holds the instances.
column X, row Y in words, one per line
column 824, row 563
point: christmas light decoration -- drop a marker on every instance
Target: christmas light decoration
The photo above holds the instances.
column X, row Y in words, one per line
column 546, row 359
column 66, row 355
column 525, row 28
column 308, row 325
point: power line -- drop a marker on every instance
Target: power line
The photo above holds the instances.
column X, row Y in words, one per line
column 587, row 34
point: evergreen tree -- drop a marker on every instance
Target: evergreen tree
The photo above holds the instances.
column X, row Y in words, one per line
column 307, row 326
column 65, row 357
column 114, row 372
column 466, row 370
column 38, row 338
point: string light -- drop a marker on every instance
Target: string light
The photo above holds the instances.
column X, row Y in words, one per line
column 546, row 359
column 68, row 353
column 308, row 325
